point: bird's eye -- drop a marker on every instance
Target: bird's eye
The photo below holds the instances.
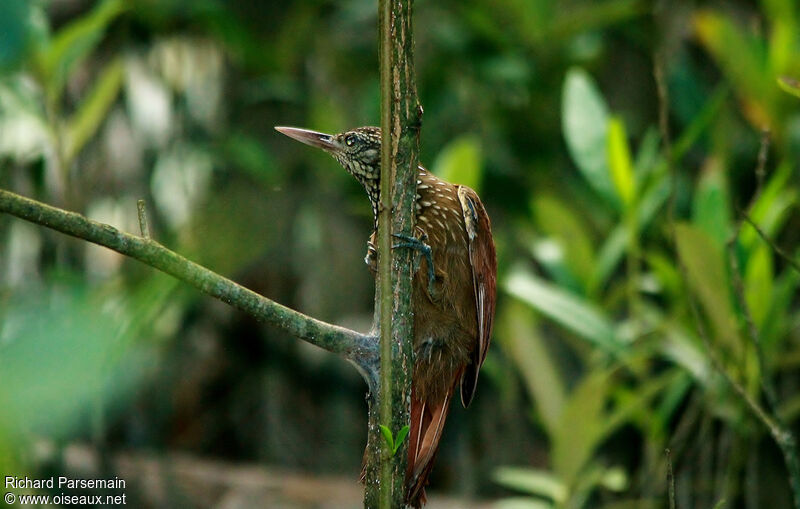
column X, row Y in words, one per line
column 350, row 140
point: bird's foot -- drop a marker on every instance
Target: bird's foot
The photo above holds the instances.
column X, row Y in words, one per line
column 419, row 245
column 371, row 259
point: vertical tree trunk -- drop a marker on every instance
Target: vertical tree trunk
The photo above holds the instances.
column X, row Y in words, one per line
column 400, row 121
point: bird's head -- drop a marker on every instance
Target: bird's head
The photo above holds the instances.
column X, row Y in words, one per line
column 358, row 150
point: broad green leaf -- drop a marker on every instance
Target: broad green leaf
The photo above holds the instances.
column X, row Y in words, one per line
column 707, row 276
column 526, row 348
column 619, row 161
column 93, row 110
column 572, row 312
column 584, row 118
column 685, row 352
column 673, row 396
column 783, row 18
column 782, row 45
column 609, row 256
column 711, row 208
column 534, row 482
column 581, row 426
column 758, row 279
column 556, row 219
column 74, row 42
column 461, row 162
column 551, row 256
column 790, row 85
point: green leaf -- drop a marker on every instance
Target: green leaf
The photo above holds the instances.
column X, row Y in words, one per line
column 705, row 266
column 401, row 435
column 711, row 208
column 581, row 426
column 789, row 85
column 758, row 284
column 575, row 314
column 783, row 18
column 584, row 119
column 685, row 352
column 461, row 162
column 557, row 220
column 85, row 121
column 609, row 256
column 525, row 346
column 720, row 504
column 619, row 161
column 534, row 482
column 394, row 444
column 387, row 435
column 73, row 43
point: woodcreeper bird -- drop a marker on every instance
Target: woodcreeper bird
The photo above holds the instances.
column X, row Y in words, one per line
column 453, row 290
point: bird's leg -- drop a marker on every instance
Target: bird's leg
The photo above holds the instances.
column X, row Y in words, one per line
column 420, row 245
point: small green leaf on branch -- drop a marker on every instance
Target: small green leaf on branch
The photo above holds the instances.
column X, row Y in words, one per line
column 394, row 443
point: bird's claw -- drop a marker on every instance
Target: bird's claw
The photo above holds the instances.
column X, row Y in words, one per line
column 371, row 258
column 425, row 250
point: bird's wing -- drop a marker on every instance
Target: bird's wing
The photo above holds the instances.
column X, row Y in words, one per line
column 484, row 277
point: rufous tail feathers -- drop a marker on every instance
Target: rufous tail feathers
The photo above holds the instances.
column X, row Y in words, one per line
column 427, row 423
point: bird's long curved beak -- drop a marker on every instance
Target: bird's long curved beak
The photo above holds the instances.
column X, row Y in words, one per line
column 313, row 138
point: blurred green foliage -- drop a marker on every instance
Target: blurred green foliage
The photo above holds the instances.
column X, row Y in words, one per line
column 608, row 235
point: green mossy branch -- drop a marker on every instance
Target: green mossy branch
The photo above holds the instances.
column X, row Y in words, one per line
column 359, row 348
column 400, row 122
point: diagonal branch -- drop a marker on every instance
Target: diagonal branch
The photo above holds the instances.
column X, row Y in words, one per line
column 360, row 349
